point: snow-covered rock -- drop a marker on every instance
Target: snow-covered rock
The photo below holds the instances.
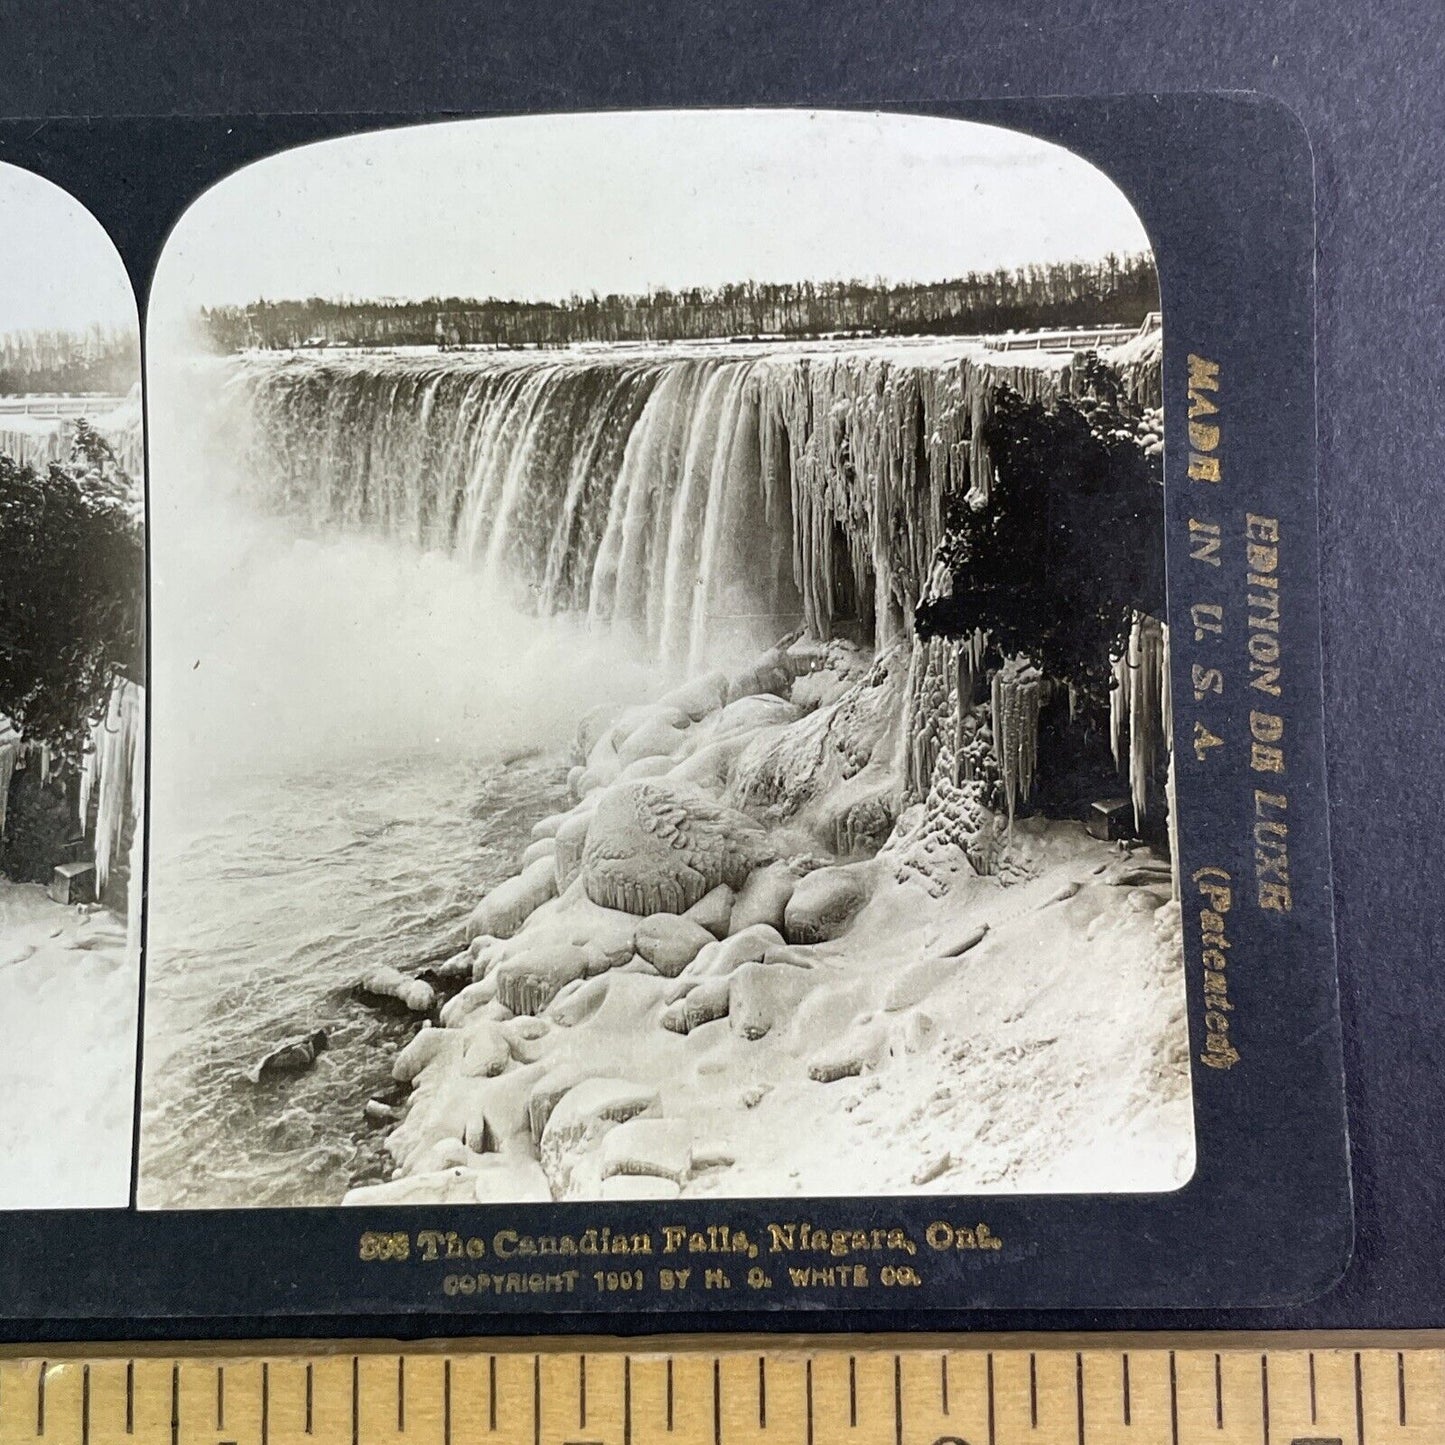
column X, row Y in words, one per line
column 763, row 898
column 704, row 1003
column 661, row 1147
column 507, row 1179
column 415, row 994
column 826, row 901
column 578, row 1000
column 658, row 736
column 699, row 696
column 570, row 839
column 444, row 1186
column 486, row 1050
column 762, row 995
column 637, row 1186
column 528, row 982
column 655, row 848
column 428, row 1045
column 581, row 1117
column 508, row 906
column 670, row 941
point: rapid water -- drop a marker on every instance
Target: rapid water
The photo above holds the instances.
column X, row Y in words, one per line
column 297, row 886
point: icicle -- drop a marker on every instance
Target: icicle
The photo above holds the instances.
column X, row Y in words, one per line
column 1172, row 797
column 1119, row 708
column 1016, row 695
column 9, row 754
column 88, row 767
column 118, row 749
column 135, row 858
column 1139, row 707
column 1146, row 733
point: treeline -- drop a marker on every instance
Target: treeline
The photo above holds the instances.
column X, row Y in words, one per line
column 1115, row 290
column 98, row 360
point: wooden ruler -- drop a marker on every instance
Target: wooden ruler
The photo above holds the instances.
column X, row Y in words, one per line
column 1046, row 1390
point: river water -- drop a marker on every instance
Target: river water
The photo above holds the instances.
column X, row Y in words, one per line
column 264, row 914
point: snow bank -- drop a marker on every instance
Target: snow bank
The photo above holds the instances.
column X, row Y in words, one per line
column 69, row 990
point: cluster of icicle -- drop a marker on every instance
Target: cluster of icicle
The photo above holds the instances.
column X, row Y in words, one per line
column 871, row 446
column 113, row 774
column 1140, row 711
column 13, row 750
column 1140, row 364
column 1018, row 692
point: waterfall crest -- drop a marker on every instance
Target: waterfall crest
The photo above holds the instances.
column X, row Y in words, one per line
column 695, row 496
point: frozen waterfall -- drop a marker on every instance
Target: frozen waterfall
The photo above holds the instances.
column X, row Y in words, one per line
column 696, row 495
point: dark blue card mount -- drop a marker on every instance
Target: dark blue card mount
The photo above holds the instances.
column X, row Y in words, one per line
column 990, row 965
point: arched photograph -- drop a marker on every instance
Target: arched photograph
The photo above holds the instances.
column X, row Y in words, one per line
column 72, row 702
column 660, row 676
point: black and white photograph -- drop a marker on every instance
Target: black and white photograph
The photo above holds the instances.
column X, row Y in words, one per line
column 72, row 702
column 660, row 686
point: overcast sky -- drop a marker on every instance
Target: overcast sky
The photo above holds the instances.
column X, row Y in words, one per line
column 541, row 207
column 58, row 268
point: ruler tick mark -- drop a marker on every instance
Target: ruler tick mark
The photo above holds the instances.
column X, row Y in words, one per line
column 1127, row 1401
column 492, row 1393
column 852, row 1392
column 717, row 1401
column 669, row 1392
column 400, row 1393
column 446, row 1402
column 1173, row 1400
column 1359, row 1402
column 943, row 1382
column 355, row 1400
column 40, row 1399
column 1264, row 1393
column 1314, row 1412
column 898, row 1399
column 175, row 1403
column 762, row 1393
column 130, row 1397
column 310, row 1383
column 1079, row 1393
column 808, row 1401
column 85, row 1405
column 1218, row 1395
column 1033, row 1391
column 990, row 1399
column 265, row 1403
column 1400, row 1383
column 536, row 1400
column 220, row 1397
column 581, row 1392
column 627, row 1400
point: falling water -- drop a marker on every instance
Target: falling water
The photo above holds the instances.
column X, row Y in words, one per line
column 692, row 496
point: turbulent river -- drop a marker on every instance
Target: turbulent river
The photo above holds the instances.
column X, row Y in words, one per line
column 299, row 885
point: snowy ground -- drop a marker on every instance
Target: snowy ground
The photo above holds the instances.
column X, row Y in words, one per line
column 68, row 1002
